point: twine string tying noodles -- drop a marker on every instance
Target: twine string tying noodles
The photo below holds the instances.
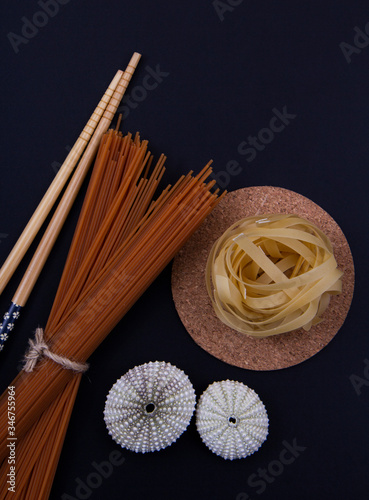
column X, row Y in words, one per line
column 38, row 348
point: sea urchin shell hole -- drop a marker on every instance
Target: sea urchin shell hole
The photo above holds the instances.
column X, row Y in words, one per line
column 231, row 419
column 149, row 407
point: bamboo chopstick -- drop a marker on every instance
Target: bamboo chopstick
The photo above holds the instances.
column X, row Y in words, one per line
column 61, row 213
column 44, row 248
column 51, row 195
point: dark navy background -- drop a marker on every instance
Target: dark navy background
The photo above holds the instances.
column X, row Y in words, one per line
column 221, row 68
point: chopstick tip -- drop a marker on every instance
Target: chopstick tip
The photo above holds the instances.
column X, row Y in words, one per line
column 135, row 59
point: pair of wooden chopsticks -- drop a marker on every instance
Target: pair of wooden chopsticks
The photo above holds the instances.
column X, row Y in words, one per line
column 83, row 151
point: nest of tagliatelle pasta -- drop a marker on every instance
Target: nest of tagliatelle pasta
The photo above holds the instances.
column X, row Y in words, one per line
column 271, row 274
column 231, row 321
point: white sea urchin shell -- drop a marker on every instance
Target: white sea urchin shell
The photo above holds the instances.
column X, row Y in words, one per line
column 149, row 407
column 231, row 419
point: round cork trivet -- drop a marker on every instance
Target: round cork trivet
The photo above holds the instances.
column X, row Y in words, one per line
column 196, row 311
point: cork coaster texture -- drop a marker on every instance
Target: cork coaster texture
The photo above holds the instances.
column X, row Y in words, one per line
column 194, row 306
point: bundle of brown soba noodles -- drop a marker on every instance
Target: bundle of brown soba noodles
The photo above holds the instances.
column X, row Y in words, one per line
column 122, row 242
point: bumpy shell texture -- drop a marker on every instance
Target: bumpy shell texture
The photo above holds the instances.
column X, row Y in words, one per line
column 149, row 407
column 231, row 419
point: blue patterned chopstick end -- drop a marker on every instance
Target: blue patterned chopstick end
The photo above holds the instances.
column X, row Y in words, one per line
column 7, row 325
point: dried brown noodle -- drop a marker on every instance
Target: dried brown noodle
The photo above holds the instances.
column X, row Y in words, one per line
column 122, row 242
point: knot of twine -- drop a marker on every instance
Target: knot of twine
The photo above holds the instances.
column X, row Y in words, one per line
column 38, row 349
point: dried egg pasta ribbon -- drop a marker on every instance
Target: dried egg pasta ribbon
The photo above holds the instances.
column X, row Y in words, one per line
column 272, row 274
